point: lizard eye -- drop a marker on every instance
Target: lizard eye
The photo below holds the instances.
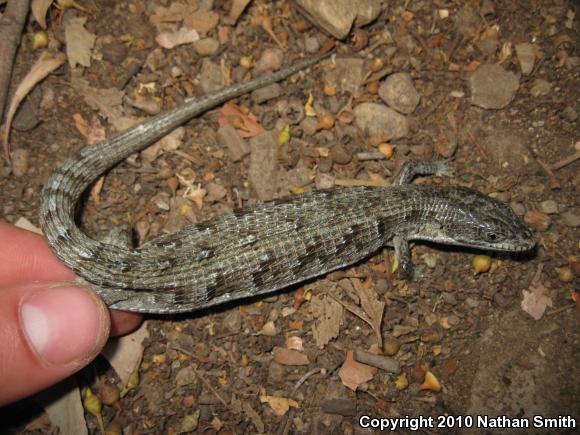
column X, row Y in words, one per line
column 493, row 237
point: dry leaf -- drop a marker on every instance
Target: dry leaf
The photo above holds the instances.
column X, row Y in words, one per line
column 180, row 37
column 294, row 343
column 125, row 353
column 46, row 63
column 328, row 315
column 236, row 10
column 168, row 143
column 39, row 9
column 245, row 123
column 279, row 405
column 63, row 404
column 353, row 373
column 536, row 300
column 79, row 42
column 372, row 306
column 25, row 224
column 289, row 357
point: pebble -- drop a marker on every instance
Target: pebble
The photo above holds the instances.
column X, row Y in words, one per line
column 540, row 87
column 569, row 114
column 324, row 181
column 341, row 406
column 398, row 91
column 472, row 302
column 20, row 161
column 492, row 87
column 309, row 126
column 449, row 298
column 570, row 218
column 311, row 44
column 526, row 57
column 206, row 47
column 549, row 206
column 229, row 138
column 380, row 121
column 267, row 93
column 340, row 155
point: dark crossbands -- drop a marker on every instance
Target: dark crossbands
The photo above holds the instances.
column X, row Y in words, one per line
column 269, row 246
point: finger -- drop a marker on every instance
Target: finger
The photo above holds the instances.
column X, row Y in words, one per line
column 48, row 331
column 26, row 257
column 123, row 322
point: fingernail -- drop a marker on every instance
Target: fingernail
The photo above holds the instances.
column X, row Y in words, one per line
column 63, row 324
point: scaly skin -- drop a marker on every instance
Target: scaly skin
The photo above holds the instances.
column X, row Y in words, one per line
column 266, row 247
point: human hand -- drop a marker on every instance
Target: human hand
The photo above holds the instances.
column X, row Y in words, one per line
column 49, row 326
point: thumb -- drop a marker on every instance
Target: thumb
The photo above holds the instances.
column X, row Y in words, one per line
column 48, row 331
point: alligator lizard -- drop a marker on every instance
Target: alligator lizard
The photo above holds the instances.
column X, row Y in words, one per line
column 269, row 246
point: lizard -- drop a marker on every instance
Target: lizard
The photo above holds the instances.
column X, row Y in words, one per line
column 259, row 249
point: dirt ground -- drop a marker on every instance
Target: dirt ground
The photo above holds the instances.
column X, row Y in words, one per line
column 469, row 330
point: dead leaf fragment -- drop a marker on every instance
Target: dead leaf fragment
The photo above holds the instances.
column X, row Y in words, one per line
column 280, row 405
column 328, row 315
column 353, row 374
column 245, row 123
column 180, row 37
column 39, row 9
column 289, row 357
column 46, row 63
column 79, row 42
column 536, row 300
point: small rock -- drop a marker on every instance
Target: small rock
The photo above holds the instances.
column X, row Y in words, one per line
column 492, row 87
column 337, row 17
column 537, row 220
column 309, row 125
column 206, row 47
column 271, row 60
column 472, row 302
column 570, row 218
column 324, row 181
column 377, row 120
column 526, row 57
column 324, row 165
column 549, row 206
column 540, row 87
column 211, row 78
column 311, row 44
column 399, row 92
column 347, row 75
column 266, row 93
column 230, row 138
column 25, row 119
column 345, row 407
column 569, row 114
column 449, row 298
column 215, row 192
column 20, row 162
column 340, row 155
column 263, row 173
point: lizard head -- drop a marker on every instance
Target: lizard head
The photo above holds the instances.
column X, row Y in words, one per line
column 466, row 217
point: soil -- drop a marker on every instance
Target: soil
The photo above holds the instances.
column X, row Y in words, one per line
column 469, row 330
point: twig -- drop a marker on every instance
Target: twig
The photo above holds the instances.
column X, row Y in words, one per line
column 11, row 25
column 561, row 309
column 566, row 161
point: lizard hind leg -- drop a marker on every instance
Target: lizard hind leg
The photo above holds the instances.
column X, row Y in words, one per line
column 412, row 168
column 120, row 236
